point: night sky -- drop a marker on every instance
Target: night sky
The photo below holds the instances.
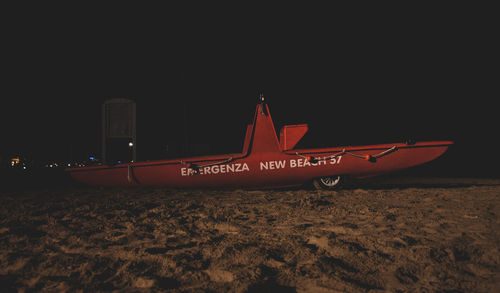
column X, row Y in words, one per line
column 357, row 75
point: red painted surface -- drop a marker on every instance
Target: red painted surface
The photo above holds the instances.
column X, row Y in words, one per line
column 290, row 135
column 265, row 162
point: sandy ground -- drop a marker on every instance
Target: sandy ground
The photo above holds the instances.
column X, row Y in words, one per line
column 397, row 235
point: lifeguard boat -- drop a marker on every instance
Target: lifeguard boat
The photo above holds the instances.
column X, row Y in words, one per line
column 266, row 162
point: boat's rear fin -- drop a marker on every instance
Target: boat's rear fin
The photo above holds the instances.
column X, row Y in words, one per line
column 290, row 135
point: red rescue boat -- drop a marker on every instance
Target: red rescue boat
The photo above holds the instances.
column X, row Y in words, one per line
column 266, row 162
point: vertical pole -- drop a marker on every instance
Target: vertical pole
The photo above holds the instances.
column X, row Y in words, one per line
column 70, row 160
column 103, row 133
column 184, row 118
column 134, row 137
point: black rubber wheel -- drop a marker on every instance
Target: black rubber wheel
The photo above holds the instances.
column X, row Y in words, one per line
column 328, row 182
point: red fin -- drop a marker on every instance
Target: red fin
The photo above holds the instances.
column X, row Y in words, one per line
column 290, row 135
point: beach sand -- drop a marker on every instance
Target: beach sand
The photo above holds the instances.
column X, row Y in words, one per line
column 380, row 235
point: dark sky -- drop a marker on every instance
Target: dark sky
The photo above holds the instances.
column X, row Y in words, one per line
column 356, row 75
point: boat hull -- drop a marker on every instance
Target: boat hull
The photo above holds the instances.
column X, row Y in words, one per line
column 292, row 168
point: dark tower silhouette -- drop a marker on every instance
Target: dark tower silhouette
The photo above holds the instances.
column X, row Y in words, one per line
column 118, row 131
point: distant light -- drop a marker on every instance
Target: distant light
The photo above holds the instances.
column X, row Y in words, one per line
column 24, row 167
column 14, row 161
column 91, row 158
column 130, row 144
column 69, row 165
column 119, row 162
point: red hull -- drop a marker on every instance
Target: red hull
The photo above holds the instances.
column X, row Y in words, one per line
column 265, row 162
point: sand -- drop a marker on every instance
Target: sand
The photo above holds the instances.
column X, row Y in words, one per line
column 397, row 235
